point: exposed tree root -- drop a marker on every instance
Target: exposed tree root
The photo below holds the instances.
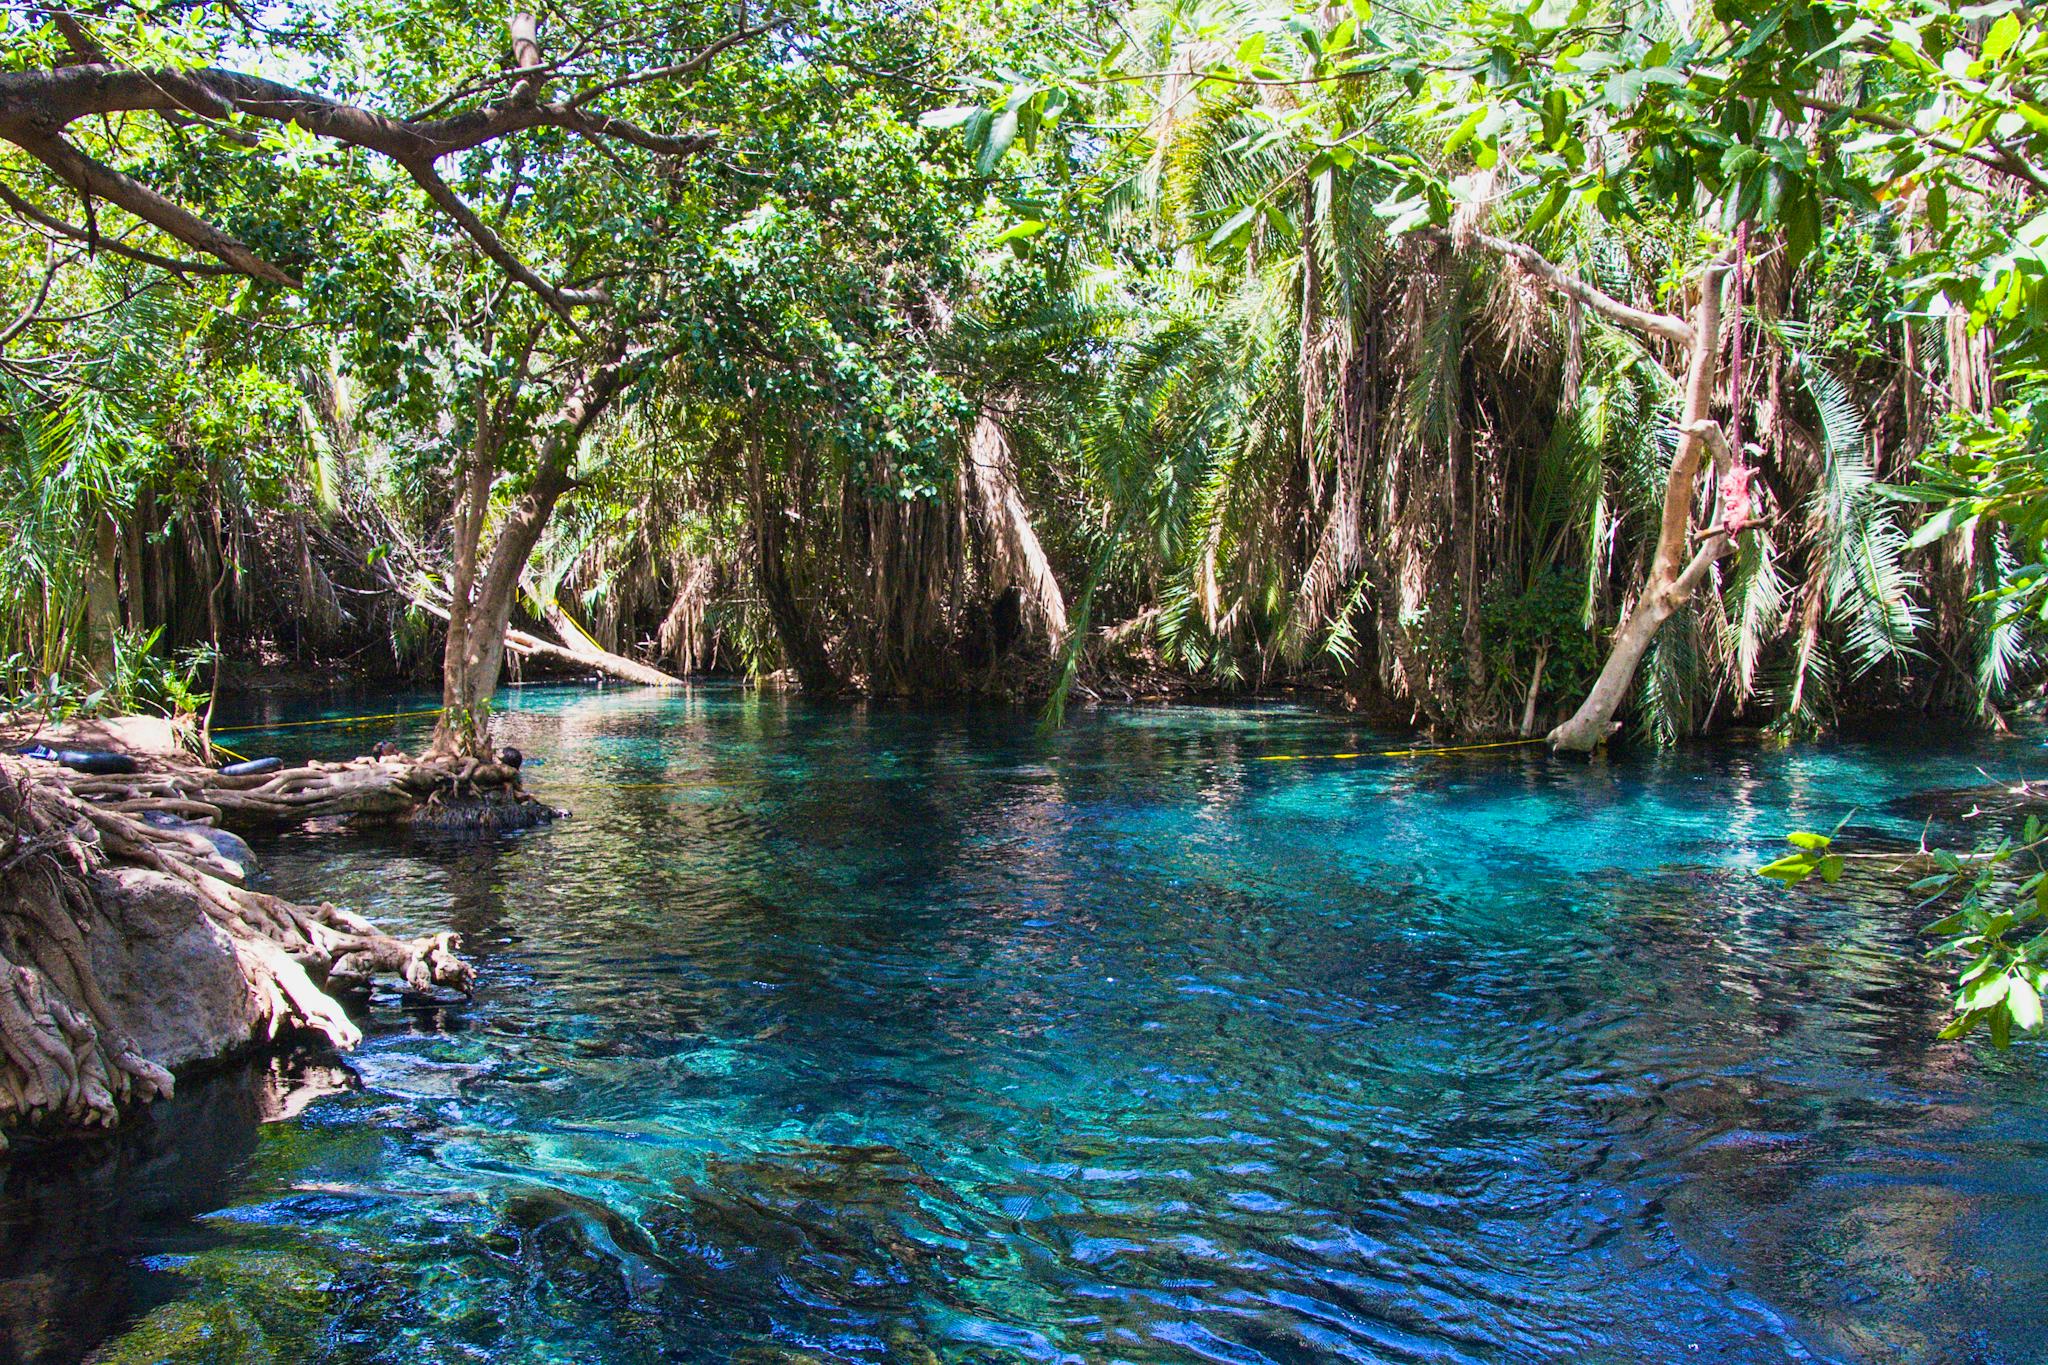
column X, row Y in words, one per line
column 71, row 870
column 367, row 790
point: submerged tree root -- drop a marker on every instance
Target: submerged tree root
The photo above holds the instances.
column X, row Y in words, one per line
column 73, row 874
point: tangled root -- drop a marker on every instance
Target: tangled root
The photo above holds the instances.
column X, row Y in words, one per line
column 63, row 1057
column 362, row 790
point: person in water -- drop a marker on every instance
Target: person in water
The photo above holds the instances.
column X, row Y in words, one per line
column 384, row 749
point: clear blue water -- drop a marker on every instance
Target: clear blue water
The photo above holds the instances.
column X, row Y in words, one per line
column 864, row 1034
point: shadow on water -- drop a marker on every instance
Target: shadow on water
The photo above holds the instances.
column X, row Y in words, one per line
column 86, row 1227
column 865, row 1034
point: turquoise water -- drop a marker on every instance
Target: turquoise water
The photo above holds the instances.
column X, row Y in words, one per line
column 863, row 1034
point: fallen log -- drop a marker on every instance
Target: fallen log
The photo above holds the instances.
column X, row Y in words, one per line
column 122, row 956
column 588, row 654
column 580, row 647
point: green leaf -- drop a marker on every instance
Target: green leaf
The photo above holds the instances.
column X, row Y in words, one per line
column 1947, row 520
column 2000, row 39
column 1986, row 991
column 1018, row 232
column 2025, row 1004
column 1791, row 869
column 1462, row 134
column 1948, row 924
column 1962, row 1024
column 1236, row 223
column 1552, row 203
column 1812, row 843
column 1001, row 134
column 951, row 117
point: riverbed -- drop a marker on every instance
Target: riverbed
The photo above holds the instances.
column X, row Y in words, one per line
column 866, row 1033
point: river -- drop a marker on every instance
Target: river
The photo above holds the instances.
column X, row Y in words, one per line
column 862, row 1033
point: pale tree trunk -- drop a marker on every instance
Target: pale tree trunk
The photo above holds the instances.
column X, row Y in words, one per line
column 103, row 596
column 1010, row 544
column 1535, row 689
column 1679, row 565
column 460, row 730
column 481, row 593
column 579, row 646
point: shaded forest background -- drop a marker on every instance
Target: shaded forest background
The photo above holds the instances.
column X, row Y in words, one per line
column 1026, row 350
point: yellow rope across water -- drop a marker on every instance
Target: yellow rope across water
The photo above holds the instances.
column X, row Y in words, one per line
column 1263, row 758
column 330, row 720
column 646, row 786
column 1403, row 753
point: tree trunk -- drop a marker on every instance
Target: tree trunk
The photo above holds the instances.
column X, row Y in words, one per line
column 469, row 678
column 580, row 646
column 1678, row 568
column 465, row 688
column 103, row 596
column 480, row 606
column 1535, row 690
column 1015, row 559
column 793, row 626
column 795, row 629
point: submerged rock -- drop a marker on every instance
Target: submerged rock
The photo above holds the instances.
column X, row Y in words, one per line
column 70, row 1213
column 490, row 812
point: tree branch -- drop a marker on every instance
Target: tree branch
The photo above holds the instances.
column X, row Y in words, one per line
column 1715, row 545
column 1716, row 441
column 35, row 305
column 525, row 57
column 1606, row 305
column 42, row 103
column 35, row 106
column 84, row 47
column 1993, row 156
column 78, row 234
column 681, row 69
column 478, row 231
column 554, row 464
column 90, row 177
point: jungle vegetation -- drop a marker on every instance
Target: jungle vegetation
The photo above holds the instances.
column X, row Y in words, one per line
column 1504, row 369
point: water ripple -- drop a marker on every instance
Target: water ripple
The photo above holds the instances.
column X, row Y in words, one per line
column 871, row 1035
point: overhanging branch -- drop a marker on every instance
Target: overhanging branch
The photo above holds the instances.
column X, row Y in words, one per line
column 78, row 234
column 36, row 106
column 1637, row 320
column 478, row 231
column 35, row 305
column 92, row 178
column 1991, row 154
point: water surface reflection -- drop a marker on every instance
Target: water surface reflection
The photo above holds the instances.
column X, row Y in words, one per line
column 874, row 1034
